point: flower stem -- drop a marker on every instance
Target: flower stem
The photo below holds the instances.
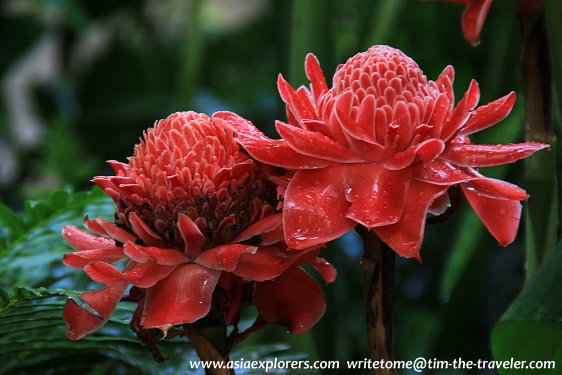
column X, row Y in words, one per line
column 540, row 171
column 210, row 343
column 378, row 275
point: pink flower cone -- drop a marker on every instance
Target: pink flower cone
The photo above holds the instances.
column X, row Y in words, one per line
column 380, row 149
column 194, row 214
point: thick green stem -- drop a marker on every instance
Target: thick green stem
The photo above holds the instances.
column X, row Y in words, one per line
column 378, row 274
column 540, row 170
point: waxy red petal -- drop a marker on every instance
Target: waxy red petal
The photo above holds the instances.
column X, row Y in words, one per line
column 162, row 256
column 265, row 225
column 500, row 216
column 473, row 18
column 182, row 297
column 489, row 155
column 461, row 113
column 325, row 269
column 315, row 75
column 315, row 207
column 269, row 262
column 294, row 299
column 498, row 189
column 143, row 231
column 192, row 237
column 489, row 114
column 80, row 322
column 440, row 172
column 264, row 149
column 425, row 151
column 405, row 237
column 79, row 259
column 224, row 257
column 299, row 104
column 439, row 204
column 349, row 126
column 103, row 273
column 315, row 144
column 81, row 240
column 106, row 228
column 147, row 274
column 377, row 194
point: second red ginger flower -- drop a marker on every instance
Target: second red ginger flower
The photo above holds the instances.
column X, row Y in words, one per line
column 195, row 215
column 381, row 148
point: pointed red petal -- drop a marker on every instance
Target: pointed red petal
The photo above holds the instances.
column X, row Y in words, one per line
column 294, row 299
column 325, row 269
column 265, row 225
column 269, row 151
column 144, row 232
column 106, row 228
column 80, row 322
column 79, row 259
column 405, row 237
column 280, row 154
column 193, row 239
column 147, row 274
column 425, row 151
column 348, row 124
column 473, row 18
column 315, row 207
column 165, row 257
column 183, row 297
column 314, row 144
column 270, row 261
column 299, row 105
column 315, row 76
column 81, row 240
column 224, row 257
column 461, row 113
column 441, row 172
column 103, row 273
column 377, row 195
column 498, row 189
column 489, row 114
column 447, row 77
column 439, row 204
column 500, row 216
column 489, row 155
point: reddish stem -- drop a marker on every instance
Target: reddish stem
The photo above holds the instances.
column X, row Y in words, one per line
column 378, row 275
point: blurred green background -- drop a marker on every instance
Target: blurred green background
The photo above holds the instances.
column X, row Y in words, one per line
column 81, row 80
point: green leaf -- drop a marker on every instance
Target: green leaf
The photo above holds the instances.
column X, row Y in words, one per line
column 32, row 336
column 531, row 329
column 12, row 222
column 33, row 256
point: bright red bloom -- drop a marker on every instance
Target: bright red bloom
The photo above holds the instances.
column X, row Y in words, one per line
column 193, row 213
column 473, row 18
column 381, row 148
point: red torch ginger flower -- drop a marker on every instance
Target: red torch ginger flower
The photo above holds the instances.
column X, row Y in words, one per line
column 473, row 18
column 381, row 148
column 193, row 213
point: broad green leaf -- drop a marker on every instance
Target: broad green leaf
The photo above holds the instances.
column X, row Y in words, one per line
column 531, row 329
column 32, row 337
